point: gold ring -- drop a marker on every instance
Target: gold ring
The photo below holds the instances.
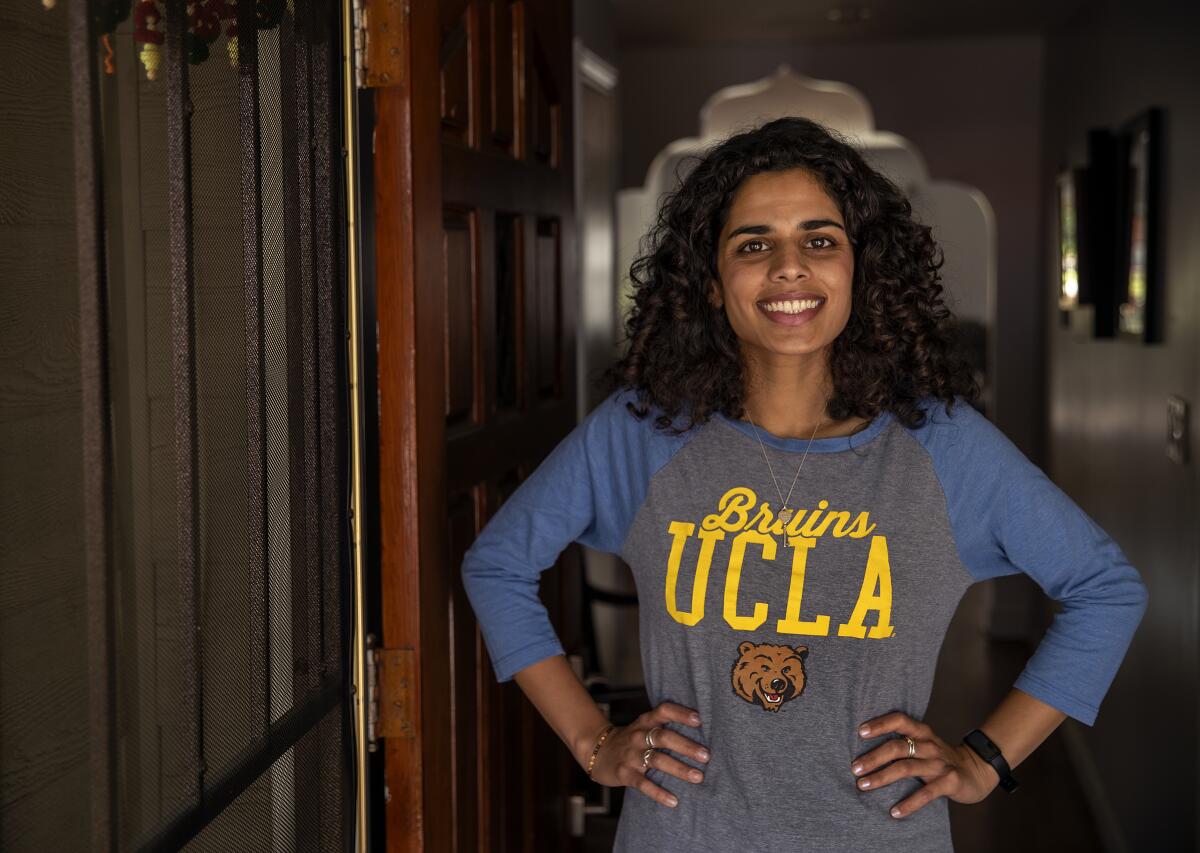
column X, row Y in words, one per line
column 646, row 758
column 650, row 736
column 912, row 746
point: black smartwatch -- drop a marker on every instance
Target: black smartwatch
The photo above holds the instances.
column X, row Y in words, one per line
column 990, row 753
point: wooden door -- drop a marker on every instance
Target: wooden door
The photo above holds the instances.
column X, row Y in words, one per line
column 475, row 270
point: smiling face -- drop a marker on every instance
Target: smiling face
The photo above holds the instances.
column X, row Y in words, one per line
column 786, row 266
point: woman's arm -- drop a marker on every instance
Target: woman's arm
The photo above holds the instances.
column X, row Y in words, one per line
column 572, row 495
column 1018, row 726
column 564, row 702
column 586, row 490
column 1008, row 517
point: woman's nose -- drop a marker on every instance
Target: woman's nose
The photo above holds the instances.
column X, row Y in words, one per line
column 789, row 263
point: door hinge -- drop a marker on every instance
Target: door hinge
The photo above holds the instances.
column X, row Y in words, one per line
column 360, row 37
column 391, row 706
column 378, row 39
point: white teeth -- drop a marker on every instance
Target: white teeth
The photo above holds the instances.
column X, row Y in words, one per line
column 794, row 306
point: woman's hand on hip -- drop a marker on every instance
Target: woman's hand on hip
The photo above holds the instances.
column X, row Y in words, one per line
column 619, row 761
column 948, row 770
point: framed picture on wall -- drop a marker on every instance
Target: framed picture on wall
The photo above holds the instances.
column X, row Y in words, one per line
column 1089, row 231
column 1100, row 230
column 1139, row 289
column 1070, row 186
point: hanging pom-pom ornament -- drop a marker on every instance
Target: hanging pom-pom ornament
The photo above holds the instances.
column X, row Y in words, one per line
column 229, row 13
column 205, row 19
column 146, row 21
column 151, row 57
column 232, row 45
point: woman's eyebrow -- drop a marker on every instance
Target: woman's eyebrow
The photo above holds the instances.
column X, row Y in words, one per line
column 807, row 225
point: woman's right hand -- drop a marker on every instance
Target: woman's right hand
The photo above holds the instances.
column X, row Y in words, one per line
column 619, row 760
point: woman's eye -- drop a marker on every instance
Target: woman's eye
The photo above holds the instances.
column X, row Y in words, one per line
column 828, row 243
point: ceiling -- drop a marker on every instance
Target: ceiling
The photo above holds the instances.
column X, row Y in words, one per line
column 644, row 22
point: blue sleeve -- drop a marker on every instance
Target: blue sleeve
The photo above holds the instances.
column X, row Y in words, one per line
column 587, row 490
column 1009, row 517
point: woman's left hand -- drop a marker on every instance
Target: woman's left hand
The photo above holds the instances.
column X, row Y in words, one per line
column 948, row 770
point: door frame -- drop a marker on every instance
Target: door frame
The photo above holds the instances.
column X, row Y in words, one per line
column 407, row 205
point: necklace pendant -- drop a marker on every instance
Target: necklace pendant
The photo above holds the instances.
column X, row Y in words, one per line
column 785, row 515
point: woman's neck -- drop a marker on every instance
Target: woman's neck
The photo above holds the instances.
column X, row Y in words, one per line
column 786, row 425
column 790, row 402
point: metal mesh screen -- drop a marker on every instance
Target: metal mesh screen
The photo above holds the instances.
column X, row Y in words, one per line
column 280, row 812
column 212, row 582
column 45, row 790
column 174, row 629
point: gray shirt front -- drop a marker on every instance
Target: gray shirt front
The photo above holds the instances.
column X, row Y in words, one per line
column 784, row 651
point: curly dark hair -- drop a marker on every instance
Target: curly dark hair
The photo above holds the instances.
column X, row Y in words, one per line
column 899, row 343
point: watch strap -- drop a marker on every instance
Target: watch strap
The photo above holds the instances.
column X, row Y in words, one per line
column 989, row 752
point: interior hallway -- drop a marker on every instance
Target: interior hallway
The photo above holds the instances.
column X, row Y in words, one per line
column 1005, row 98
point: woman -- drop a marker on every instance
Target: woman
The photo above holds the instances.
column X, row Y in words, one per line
column 790, row 463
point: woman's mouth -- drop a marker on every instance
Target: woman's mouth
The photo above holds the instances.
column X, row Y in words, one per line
column 791, row 312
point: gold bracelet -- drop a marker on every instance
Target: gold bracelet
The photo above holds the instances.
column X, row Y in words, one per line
column 595, row 749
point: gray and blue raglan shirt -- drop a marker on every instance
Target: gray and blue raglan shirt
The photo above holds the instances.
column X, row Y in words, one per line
column 784, row 649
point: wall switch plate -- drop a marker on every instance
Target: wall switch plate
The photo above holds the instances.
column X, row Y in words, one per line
column 1177, row 429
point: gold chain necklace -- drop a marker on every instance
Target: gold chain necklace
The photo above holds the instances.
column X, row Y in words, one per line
column 785, row 512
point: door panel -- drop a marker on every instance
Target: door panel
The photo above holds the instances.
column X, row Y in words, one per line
column 477, row 342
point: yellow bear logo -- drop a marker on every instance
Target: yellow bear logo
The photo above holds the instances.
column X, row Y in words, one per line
column 768, row 674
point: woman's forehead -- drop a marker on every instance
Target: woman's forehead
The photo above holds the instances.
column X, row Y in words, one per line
column 780, row 199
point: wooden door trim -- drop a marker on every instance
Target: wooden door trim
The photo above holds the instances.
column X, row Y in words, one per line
column 417, row 172
column 410, row 312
